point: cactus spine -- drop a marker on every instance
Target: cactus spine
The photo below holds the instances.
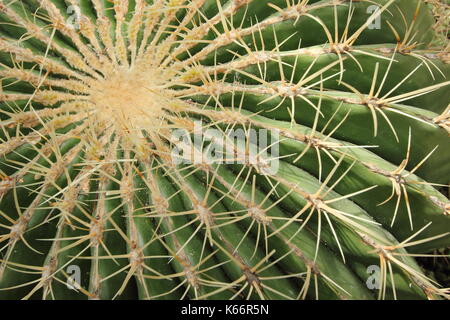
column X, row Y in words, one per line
column 123, row 175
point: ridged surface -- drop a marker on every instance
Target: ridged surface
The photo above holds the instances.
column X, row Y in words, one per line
column 95, row 91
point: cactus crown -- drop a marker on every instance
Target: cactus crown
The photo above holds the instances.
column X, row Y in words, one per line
column 221, row 149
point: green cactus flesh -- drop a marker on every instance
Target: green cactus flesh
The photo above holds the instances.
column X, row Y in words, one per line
column 114, row 120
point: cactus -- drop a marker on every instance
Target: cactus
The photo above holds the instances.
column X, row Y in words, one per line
column 221, row 149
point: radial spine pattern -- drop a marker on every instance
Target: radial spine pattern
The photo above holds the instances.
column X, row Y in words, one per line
column 221, row 149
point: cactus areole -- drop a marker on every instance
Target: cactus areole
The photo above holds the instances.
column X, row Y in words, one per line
column 221, row 149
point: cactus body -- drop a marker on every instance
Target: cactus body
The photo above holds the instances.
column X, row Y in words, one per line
column 221, row 149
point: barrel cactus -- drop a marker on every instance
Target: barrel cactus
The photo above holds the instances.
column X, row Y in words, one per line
column 222, row 149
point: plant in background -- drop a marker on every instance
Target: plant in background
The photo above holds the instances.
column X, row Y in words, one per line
column 221, row 149
column 441, row 12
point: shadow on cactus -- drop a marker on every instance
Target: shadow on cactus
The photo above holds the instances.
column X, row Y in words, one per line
column 221, row 149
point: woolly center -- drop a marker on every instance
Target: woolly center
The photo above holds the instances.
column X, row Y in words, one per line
column 131, row 98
